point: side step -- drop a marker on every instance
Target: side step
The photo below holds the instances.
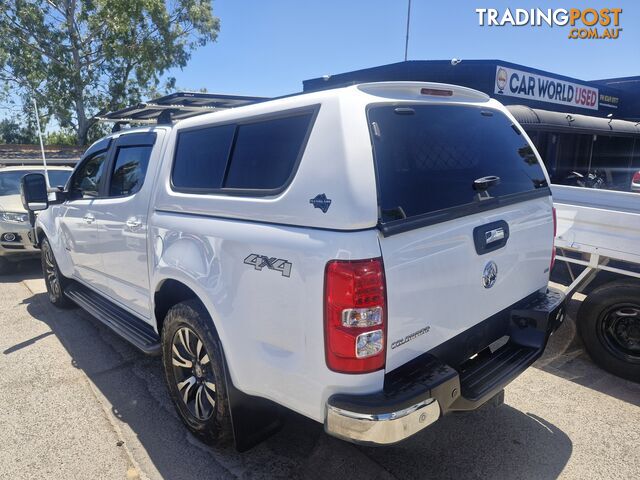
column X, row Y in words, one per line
column 128, row 326
column 491, row 371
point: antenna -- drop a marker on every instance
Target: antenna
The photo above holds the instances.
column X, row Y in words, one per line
column 406, row 42
column 44, row 159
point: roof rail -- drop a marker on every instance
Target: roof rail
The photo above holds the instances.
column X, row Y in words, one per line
column 177, row 106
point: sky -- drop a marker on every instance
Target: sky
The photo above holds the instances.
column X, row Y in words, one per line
column 268, row 48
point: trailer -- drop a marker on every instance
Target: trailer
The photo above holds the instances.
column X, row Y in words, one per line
column 598, row 254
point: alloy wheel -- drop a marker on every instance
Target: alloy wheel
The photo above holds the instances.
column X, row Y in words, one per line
column 51, row 274
column 193, row 373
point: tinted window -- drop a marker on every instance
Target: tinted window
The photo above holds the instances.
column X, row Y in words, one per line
column 201, row 157
column 10, row 180
column 590, row 161
column 265, row 153
column 86, row 180
column 428, row 156
column 129, row 170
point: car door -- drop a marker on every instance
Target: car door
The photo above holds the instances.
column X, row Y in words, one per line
column 121, row 217
column 79, row 231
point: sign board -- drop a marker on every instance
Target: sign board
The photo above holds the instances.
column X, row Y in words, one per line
column 518, row 83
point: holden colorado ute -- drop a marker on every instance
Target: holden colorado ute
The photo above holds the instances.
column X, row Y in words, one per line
column 372, row 257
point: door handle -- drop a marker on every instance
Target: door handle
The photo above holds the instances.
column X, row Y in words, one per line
column 491, row 236
column 134, row 223
column 89, row 218
column 494, row 235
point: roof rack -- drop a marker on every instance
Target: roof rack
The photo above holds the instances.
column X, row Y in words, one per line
column 177, row 106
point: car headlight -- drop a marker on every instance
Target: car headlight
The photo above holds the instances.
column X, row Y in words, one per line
column 14, row 217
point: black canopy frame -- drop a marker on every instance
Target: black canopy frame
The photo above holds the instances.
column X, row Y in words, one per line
column 177, row 106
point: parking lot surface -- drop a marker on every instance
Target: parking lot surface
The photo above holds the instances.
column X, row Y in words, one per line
column 78, row 402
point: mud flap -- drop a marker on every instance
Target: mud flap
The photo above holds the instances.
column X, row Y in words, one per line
column 253, row 419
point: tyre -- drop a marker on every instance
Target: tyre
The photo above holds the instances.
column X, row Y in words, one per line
column 5, row 266
column 53, row 279
column 609, row 324
column 194, row 371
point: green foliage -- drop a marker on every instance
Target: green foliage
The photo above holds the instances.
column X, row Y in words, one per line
column 82, row 58
column 11, row 131
column 60, row 137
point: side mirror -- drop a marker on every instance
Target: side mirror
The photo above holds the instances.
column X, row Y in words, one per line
column 33, row 190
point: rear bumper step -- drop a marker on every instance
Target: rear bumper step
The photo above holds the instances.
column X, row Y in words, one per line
column 418, row 393
column 128, row 326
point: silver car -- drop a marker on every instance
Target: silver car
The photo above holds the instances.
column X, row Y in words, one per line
column 15, row 244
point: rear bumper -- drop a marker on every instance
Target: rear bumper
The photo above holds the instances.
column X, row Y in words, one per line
column 418, row 393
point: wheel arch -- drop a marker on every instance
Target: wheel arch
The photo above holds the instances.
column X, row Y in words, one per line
column 40, row 235
column 169, row 291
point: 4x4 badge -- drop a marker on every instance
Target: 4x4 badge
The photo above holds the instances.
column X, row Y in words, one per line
column 272, row 263
column 321, row 201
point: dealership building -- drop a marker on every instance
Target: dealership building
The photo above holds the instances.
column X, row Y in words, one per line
column 578, row 126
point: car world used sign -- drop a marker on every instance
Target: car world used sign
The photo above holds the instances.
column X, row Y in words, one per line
column 516, row 83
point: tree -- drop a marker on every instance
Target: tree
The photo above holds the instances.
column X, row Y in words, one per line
column 82, row 58
column 12, row 132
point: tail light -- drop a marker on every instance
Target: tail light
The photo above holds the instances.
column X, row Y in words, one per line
column 636, row 177
column 438, row 92
column 553, row 245
column 355, row 315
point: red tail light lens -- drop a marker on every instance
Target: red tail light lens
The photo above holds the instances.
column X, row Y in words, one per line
column 553, row 246
column 436, row 92
column 355, row 315
column 636, row 177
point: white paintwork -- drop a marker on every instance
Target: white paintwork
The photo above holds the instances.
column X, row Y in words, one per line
column 434, row 276
column 598, row 221
column 271, row 326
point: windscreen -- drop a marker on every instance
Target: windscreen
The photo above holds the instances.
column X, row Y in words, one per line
column 10, row 180
column 432, row 158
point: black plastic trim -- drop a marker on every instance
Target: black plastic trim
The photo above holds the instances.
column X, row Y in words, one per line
column 480, row 240
column 400, row 226
column 133, row 329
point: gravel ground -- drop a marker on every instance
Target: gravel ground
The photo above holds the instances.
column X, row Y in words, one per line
column 76, row 402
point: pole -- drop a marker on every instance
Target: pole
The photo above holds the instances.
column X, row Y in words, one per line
column 406, row 42
column 44, row 159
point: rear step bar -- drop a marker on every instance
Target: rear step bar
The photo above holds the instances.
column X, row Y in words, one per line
column 136, row 331
column 416, row 394
column 488, row 373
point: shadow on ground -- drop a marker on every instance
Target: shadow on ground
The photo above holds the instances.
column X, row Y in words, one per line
column 566, row 357
column 24, row 270
column 493, row 442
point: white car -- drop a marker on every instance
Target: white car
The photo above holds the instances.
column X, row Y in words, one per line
column 372, row 257
column 15, row 244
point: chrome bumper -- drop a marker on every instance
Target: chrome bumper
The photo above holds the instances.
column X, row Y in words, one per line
column 381, row 428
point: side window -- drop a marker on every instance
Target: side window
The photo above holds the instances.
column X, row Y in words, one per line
column 86, row 180
column 129, row 170
column 265, row 153
column 260, row 155
column 201, row 157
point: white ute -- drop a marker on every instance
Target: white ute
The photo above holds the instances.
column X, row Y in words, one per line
column 372, row 257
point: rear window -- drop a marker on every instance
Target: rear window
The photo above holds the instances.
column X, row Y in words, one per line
column 428, row 158
column 254, row 156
